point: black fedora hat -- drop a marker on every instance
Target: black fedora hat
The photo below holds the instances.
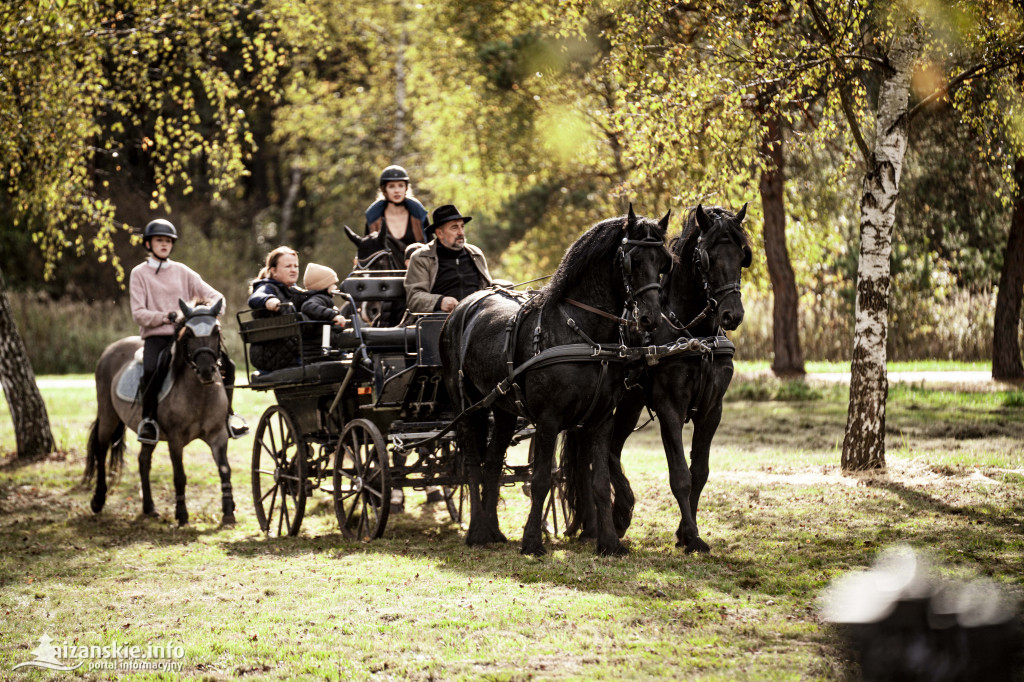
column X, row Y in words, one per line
column 445, row 214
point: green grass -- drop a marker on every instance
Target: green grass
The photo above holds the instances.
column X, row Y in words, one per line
column 418, row 604
column 829, row 367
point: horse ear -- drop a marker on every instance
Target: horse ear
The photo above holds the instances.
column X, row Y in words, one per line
column 215, row 311
column 353, row 236
column 702, row 219
column 663, row 223
column 184, row 307
column 742, row 214
column 630, row 218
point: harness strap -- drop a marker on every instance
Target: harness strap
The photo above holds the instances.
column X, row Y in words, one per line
column 598, row 311
column 593, row 401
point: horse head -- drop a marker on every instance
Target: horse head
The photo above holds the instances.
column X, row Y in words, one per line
column 643, row 259
column 720, row 251
column 373, row 251
column 198, row 339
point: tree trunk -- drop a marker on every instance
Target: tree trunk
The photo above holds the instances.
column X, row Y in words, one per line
column 28, row 411
column 1006, row 362
column 788, row 359
column 864, row 442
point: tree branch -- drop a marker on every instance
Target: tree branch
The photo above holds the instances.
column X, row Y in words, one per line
column 975, row 71
column 851, row 118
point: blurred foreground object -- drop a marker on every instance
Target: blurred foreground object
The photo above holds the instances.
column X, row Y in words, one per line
column 906, row 623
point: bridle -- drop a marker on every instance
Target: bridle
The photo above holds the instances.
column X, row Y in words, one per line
column 200, row 326
column 702, row 264
column 371, row 260
column 624, row 258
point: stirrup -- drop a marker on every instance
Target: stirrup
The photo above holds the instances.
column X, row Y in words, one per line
column 156, row 430
column 239, row 430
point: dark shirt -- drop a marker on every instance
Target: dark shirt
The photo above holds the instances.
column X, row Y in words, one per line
column 457, row 275
column 266, row 289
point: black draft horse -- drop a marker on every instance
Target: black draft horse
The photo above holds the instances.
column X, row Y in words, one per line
column 615, row 265
column 195, row 407
column 700, row 296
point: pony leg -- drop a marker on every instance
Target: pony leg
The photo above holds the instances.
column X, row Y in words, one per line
column 545, row 439
column 96, row 465
column 472, row 443
column 494, row 460
column 596, row 442
column 180, row 511
column 145, row 465
column 679, row 479
column 219, row 449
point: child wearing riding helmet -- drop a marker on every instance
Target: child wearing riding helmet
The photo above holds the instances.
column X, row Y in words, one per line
column 155, row 287
column 396, row 211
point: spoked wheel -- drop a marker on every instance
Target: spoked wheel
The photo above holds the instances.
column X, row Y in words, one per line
column 456, row 498
column 362, row 481
column 278, row 473
column 557, row 516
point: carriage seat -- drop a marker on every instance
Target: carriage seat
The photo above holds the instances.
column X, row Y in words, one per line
column 330, row 372
column 373, row 285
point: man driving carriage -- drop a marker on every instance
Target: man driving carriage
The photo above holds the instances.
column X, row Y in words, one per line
column 155, row 287
column 447, row 269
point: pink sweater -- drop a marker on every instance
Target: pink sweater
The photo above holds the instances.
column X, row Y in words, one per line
column 154, row 294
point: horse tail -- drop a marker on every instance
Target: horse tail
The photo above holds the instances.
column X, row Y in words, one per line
column 92, row 453
column 117, row 449
column 567, row 459
column 622, row 492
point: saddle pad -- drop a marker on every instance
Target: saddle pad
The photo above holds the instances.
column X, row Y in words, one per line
column 128, row 385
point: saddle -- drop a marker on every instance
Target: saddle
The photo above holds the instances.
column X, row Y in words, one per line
column 129, row 385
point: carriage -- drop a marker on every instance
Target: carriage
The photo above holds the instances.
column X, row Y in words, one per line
column 347, row 420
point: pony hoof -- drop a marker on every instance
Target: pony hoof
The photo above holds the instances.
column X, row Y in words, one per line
column 228, row 520
column 476, row 539
column 96, row 505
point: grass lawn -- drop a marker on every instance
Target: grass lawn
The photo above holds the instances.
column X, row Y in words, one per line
column 780, row 518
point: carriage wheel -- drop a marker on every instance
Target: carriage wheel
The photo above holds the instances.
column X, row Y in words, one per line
column 456, row 498
column 278, row 473
column 362, row 481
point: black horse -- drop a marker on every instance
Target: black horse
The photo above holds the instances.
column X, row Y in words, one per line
column 615, row 265
column 378, row 251
column 700, row 296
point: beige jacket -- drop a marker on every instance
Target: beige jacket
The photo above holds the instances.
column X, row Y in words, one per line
column 419, row 278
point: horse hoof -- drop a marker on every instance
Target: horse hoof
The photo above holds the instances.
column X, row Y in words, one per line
column 228, row 520
column 617, row 549
column 182, row 521
column 498, row 536
column 96, row 505
column 474, row 539
column 695, row 545
column 533, row 549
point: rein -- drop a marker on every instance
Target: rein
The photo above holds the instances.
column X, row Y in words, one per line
column 602, row 313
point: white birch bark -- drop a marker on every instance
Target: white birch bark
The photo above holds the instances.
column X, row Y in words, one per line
column 28, row 411
column 864, row 442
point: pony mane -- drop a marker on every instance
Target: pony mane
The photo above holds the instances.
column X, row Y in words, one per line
column 596, row 246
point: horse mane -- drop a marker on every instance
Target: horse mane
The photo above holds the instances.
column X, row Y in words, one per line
column 682, row 246
column 596, row 246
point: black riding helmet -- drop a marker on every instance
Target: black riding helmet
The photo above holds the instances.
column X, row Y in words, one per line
column 159, row 228
column 393, row 174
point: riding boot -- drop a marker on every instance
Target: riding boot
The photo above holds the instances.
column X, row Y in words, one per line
column 148, row 430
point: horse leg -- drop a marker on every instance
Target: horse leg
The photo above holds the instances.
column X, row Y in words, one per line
column 145, row 464
column 679, row 478
column 597, row 443
column 626, row 416
column 493, row 464
column 545, row 439
column 178, row 465
column 219, row 449
column 704, row 428
column 472, row 443
column 96, row 463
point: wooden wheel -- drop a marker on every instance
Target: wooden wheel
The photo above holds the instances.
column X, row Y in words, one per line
column 278, row 473
column 362, row 481
column 456, row 498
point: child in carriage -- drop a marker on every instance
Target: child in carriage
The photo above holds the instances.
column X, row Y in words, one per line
column 155, row 287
